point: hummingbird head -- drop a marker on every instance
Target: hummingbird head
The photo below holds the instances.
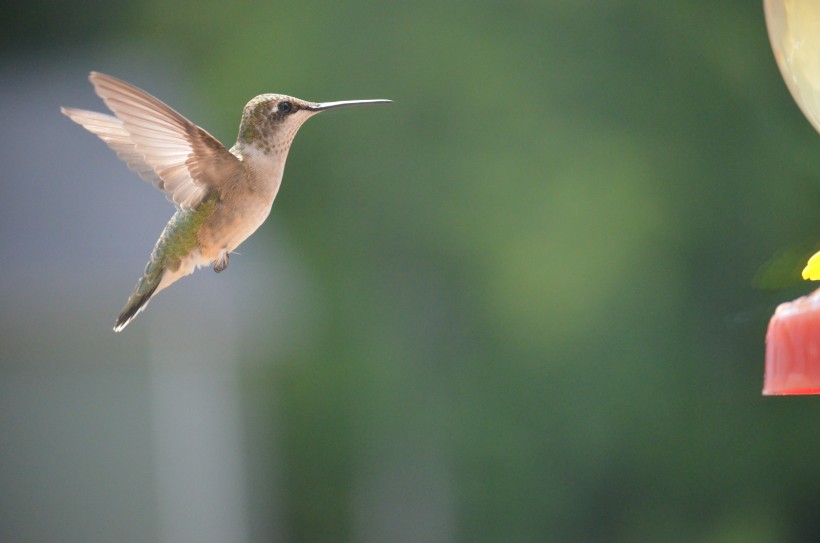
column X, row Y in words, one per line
column 270, row 121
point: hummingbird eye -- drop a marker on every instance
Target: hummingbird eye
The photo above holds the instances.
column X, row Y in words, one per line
column 285, row 107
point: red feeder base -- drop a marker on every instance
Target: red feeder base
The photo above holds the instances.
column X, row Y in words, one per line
column 793, row 348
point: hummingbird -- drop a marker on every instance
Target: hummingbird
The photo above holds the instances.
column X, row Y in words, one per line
column 221, row 195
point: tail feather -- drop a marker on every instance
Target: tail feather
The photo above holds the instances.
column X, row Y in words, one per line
column 145, row 289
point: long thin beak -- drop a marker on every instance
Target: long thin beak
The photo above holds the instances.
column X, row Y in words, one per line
column 324, row 106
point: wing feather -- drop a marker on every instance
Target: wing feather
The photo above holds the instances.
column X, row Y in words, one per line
column 162, row 146
column 109, row 129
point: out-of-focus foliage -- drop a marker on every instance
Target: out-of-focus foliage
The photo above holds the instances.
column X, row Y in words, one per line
column 533, row 271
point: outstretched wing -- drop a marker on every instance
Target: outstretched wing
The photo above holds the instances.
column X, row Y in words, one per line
column 163, row 147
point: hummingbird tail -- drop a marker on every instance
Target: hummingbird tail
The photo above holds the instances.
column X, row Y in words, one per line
column 144, row 291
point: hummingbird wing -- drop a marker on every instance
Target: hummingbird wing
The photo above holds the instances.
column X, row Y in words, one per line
column 177, row 156
column 112, row 132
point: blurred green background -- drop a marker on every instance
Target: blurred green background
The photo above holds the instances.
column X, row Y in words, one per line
column 531, row 297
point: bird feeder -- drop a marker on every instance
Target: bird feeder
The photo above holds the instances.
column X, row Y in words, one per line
column 793, row 337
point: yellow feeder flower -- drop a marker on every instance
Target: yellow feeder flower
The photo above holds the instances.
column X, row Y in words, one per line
column 812, row 270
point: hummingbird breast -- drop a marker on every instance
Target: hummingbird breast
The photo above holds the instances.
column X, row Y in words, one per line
column 240, row 210
column 232, row 223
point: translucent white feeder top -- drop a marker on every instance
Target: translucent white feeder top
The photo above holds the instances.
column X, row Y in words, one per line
column 794, row 30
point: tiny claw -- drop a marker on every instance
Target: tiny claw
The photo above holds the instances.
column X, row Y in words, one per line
column 221, row 263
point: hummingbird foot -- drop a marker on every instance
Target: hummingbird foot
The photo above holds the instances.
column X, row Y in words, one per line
column 221, row 263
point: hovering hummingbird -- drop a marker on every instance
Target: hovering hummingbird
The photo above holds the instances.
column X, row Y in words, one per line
column 222, row 195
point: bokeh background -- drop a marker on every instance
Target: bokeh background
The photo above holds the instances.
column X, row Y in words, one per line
column 526, row 302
